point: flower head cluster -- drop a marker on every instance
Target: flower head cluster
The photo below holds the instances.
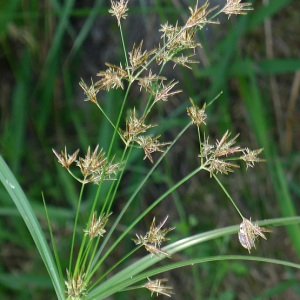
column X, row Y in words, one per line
column 94, row 166
column 76, row 286
column 96, row 226
column 134, row 134
column 249, row 232
column 119, row 9
column 137, row 58
column 217, row 155
column 150, row 144
column 111, row 78
column 164, row 91
column 156, row 287
column 175, row 39
column 197, row 115
column 149, row 82
column 66, row 159
column 178, row 38
column 199, row 15
column 235, row 7
column 250, row 157
column 153, row 238
column 134, row 127
column 89, row 91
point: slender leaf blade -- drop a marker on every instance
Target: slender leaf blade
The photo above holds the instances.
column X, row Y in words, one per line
column 17, row 195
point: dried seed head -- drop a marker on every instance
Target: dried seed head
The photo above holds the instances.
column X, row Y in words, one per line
column 137, row 58
column 65, row 159
column 155, row 286
column 163, row 92
column 96, row 226
column 220, row 166
column 198, row 15
column 250, row 157
column 224, row 146
column 134, row 127
column 119, row 9
column 184, row 60
column 111, row 78
column 197, row 115
column 249, row 232
column 216, row 155
column 95, row 167
column 147, row 81
column 234, row 7
column 90, row 92
column 207, row 149
column 150, row 144
column 154, row 237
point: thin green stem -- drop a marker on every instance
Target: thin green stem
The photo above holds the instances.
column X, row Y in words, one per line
column 74, row 232
column 119, row 179
column 200, row 145
column 155, row 203
column 115, row 265
column 85, row 255
column 227, row 194
column 129, row 202
column 93, row 254
column 106, row 116
column 123, row 45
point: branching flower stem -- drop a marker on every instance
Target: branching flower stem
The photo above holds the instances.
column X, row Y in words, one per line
column 149, row 108
column 169, row 42
column 112, row 141
column 155, row 203
column 82, row 257
column 106, row 207
column 96, row 262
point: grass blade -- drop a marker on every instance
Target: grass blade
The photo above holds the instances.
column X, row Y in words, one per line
column 132, row 273
column 28, row 215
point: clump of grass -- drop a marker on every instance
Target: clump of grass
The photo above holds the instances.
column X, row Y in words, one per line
column 222, row 156
column 218, row 157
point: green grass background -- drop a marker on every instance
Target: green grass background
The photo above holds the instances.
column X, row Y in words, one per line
column 46, row 46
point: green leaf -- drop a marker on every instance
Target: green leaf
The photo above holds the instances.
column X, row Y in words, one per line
column 17, row 195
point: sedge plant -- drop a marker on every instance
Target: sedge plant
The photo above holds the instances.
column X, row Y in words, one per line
column 145, row 68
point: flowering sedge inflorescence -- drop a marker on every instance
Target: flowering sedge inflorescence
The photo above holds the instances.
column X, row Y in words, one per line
column 156, row 287
column 249, row 232
column 234, row 7
column 94, row 166
column 76, row 286
column 96, row 226
column 216, row 161
column 174, row 40
column 154, row 237
column 215, row 157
